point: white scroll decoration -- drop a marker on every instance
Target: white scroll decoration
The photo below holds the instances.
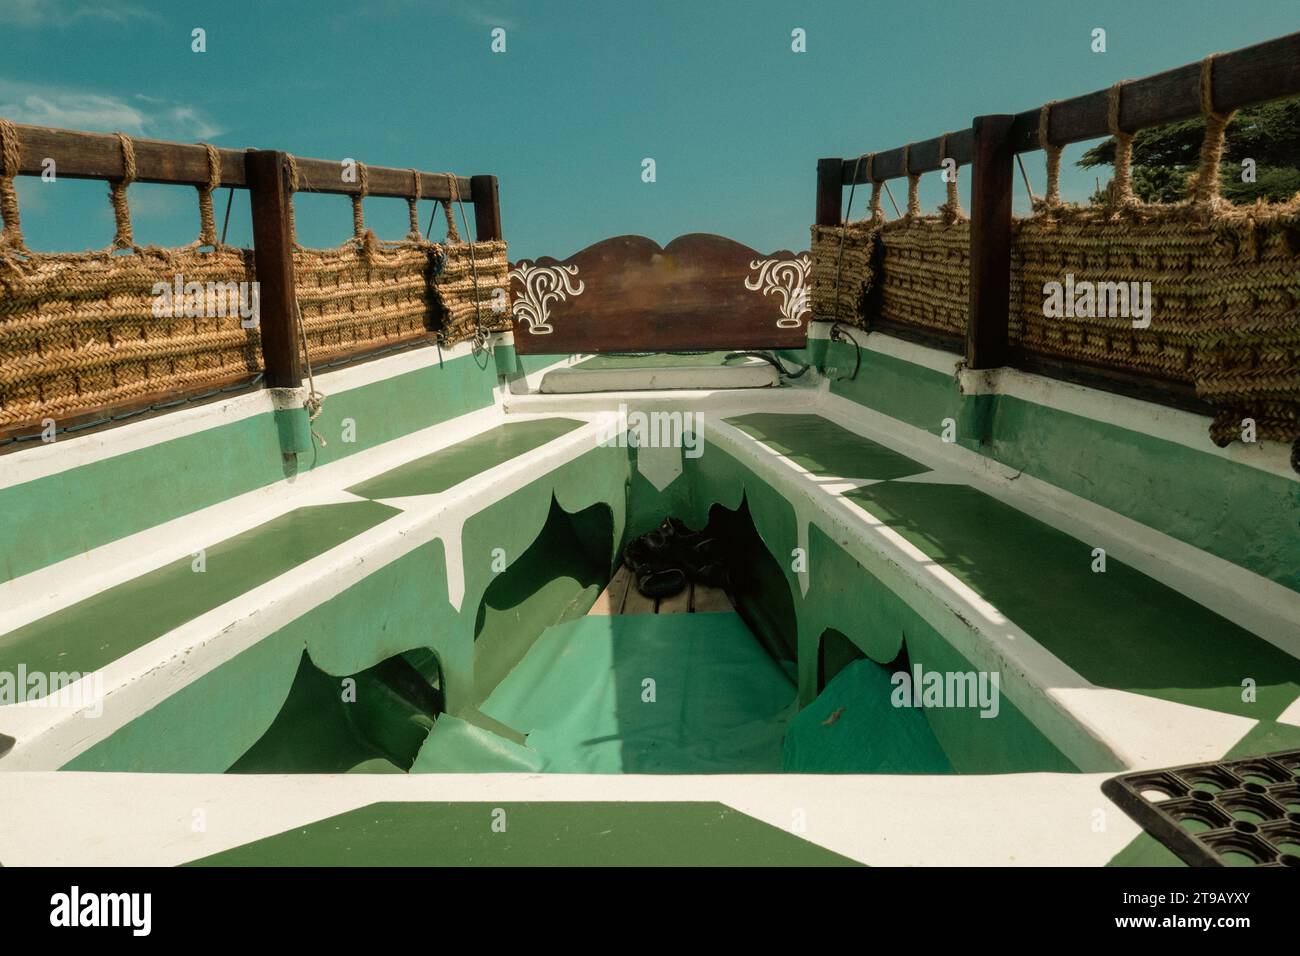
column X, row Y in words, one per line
column 543, row 285
column 785, row 277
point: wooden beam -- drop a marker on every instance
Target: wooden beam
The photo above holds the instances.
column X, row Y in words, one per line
column 924, row 158
column 268, row 178
column 487, row 207
column 990, row 242
column 1246, row 77
column 81, row 155
column 830, row 186
column 326, row 176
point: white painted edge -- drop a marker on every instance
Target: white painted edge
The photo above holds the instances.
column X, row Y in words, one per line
column 120, row 819
column 69, row 452
column 714, row 403
column 1147, row 418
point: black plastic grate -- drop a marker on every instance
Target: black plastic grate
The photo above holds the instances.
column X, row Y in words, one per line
column 1230, row 812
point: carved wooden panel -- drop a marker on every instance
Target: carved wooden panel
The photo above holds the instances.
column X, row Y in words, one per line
column 627, row 294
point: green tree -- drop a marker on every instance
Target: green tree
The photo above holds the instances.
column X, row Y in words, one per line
column 1165, row 156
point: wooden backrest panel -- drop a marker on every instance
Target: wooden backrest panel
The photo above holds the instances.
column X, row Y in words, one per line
column 627, row 294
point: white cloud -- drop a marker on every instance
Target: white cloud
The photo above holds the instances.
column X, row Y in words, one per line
column 42, row 105
column 64, row 13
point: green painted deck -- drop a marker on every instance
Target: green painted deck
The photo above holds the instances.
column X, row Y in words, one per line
column 114, row 622
column 533, row 834
column 448, row 467
column 718, row 703
column 1118, row 628
column 853, row 727
column 826, row 449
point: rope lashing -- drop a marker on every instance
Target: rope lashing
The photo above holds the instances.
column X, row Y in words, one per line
column 207, row 219
column 1053, row 197
column 952, row 208
column 314, row 402
column 358, row 214
column 876, row 212
column 1121, row 186
column 10, row 161
column 413, row 233
column 1205, row 184
column 454, row 191
column 913, row 184
column 117, row 195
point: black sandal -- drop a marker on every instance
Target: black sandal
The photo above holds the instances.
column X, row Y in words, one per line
column 661, row 584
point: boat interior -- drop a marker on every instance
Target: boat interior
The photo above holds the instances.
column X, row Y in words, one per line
column 367, row 593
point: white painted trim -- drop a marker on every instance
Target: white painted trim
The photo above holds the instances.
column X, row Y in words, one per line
column 68, row 452
column 1146, row 418
column 119, row 819
column 714, row 403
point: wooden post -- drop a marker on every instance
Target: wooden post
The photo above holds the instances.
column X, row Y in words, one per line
column 830, row 184
column 487, row 207
column 268, row 190
column 990, row 242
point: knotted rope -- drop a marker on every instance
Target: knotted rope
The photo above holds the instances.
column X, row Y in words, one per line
column 207, row 220
column 117, row 195
column 413, row 232
column 358, row 214
column 951, row 210
column 1053, row 197
column 876, row 212
column 454, row 189
column 1121, row 184
column 1205, row 184
column 913, row 184
column 10, row 160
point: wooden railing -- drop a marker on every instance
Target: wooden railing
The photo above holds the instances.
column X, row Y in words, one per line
column 265, row 175
column 1245, row 77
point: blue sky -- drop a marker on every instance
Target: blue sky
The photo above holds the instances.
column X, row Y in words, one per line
column 585, row 91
